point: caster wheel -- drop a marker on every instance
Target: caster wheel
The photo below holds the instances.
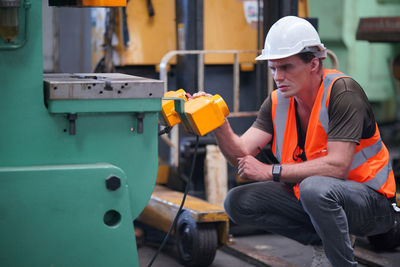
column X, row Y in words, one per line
column 196, row 243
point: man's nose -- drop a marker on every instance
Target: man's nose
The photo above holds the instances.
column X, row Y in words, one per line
column 279, row 75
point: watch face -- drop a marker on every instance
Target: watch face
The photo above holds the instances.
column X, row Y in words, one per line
column 276, row 169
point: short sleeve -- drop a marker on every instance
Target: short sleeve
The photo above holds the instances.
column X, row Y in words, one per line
column 264, row 117
column 350, row 114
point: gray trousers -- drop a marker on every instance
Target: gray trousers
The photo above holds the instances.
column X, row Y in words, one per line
column 329, row 209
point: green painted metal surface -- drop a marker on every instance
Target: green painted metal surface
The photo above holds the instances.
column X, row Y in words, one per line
column 54, row 216
column 369, row 63
column 50, row 203
column 104, row 105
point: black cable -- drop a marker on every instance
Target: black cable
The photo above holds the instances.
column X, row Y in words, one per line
column 181, row 206
column 166, row 130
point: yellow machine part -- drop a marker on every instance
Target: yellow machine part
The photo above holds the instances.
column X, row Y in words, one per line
column 206, row 113
column 101, row 3
column 303, row 10
column 150, row 37
column 225, row 28
column 202, row 114
column 171, row 117
column 164, row 204
column 163, row 172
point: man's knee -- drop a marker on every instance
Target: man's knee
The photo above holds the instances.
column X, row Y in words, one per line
column 240, row 204
column 233, row 202
column 228, row 203
column 316, row 188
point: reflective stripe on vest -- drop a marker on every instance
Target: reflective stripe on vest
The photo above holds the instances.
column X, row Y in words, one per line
column 323, row 114
column 281, row 113
column 364, row 155
column 380, row 178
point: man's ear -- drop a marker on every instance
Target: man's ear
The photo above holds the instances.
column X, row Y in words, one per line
column 315, row 62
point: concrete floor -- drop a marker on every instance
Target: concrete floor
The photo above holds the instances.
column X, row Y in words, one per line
column 166, row 259
column 263, row 244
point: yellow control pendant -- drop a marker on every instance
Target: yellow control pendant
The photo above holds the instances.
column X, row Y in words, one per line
column 201, row 114
column 171, row 117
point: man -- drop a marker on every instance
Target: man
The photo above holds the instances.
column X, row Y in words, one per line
column 324, row 135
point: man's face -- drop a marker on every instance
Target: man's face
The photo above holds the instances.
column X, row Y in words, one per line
column 291, row 75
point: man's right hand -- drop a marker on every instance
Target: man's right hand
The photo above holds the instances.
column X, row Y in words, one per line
column 252, row 169
column 198, row 94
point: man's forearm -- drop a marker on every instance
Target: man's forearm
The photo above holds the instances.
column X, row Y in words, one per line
column 229, row 143
column 336, row 163
column 324, row 166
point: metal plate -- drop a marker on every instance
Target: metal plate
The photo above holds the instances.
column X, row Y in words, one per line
column 100, row 86
column 379, row 29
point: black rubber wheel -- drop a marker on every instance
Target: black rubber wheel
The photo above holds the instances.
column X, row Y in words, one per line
column 389, row 240
column 196, row 243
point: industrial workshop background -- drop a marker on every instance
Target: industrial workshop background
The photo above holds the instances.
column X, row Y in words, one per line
column 88, row 169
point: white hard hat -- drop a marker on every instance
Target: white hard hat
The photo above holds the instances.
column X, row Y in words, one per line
column 289, row 36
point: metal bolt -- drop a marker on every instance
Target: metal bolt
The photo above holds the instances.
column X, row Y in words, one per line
column 113, row 183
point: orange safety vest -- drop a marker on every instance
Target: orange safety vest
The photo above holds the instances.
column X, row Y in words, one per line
column 371, row 159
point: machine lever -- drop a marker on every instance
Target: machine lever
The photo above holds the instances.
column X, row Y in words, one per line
column 140, row 116
column 72, row 117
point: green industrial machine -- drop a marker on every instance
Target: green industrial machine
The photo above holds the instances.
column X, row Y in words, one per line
column 78, row 153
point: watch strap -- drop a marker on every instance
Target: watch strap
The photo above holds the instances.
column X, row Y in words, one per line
column 276, row 172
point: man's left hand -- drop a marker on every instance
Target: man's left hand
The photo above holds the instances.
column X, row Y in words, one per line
column 250, row 168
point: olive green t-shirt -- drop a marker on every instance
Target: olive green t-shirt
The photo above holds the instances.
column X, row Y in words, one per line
column 350, row 114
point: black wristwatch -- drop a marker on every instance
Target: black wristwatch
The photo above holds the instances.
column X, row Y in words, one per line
column 276, row 172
